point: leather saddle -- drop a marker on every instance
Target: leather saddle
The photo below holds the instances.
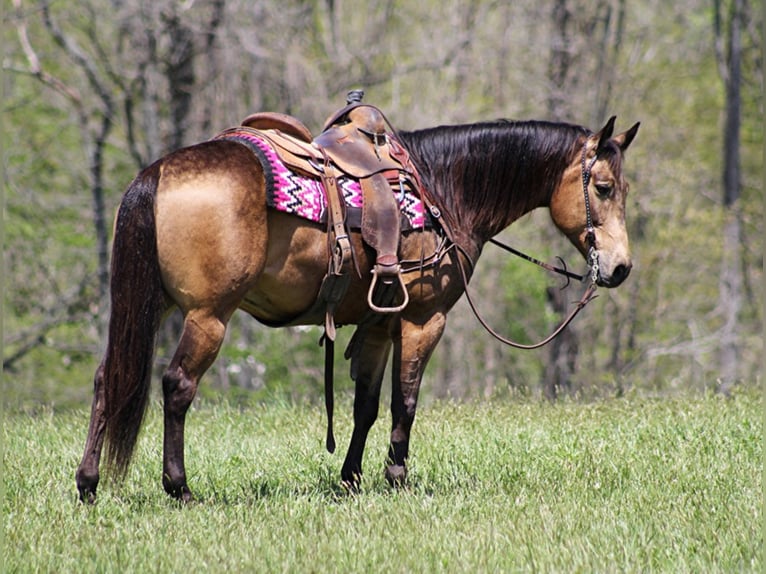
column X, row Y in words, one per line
column 356, row 142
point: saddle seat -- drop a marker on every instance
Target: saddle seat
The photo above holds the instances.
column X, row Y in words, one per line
column 357, row 145
column 275, row 121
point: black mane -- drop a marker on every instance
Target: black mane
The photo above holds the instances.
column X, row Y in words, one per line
column 484, row 176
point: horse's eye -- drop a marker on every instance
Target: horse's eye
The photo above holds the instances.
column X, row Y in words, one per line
column 603, row 189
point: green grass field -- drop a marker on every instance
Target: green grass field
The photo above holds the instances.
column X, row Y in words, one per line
column 629, row 485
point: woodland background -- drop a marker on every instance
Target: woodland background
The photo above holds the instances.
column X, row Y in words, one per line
column 93, row 90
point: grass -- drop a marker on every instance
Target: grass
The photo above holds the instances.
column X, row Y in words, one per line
column 629, row 485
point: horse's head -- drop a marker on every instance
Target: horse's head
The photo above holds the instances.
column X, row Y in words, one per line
column 597, row 167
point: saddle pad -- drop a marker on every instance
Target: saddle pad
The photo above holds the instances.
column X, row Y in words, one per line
column 304, row 196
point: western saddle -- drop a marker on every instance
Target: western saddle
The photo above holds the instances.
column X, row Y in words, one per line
column 354, row 142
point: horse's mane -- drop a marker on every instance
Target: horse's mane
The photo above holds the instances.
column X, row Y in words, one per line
column 483, row 176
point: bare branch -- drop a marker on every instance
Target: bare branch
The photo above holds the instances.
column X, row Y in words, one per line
column 74, row 51
column 71, row 308
column 35, row 68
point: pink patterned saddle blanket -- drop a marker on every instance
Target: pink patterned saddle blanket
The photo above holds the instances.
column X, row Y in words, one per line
column 304, row 196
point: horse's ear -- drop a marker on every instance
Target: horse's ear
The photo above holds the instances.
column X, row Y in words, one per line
column 605, row 134
column 623, row 140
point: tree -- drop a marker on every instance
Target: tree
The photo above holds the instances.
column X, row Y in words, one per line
column 101, row 81
column 568, row 63
column 94, row 119
column 730, row 293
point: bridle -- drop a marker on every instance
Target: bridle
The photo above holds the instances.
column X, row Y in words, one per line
column 590, row 234
column 592, row 259
column 590, row 231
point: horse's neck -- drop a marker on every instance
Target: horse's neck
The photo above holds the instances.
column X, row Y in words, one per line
column 486, row 176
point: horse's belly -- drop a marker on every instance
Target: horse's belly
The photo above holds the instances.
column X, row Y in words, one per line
column 280, row 304
column 296, row 262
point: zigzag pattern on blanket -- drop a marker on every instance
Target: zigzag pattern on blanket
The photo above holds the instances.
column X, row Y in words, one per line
column 304, row 196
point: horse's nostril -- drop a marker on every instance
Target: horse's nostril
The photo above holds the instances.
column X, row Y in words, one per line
column 620, row 273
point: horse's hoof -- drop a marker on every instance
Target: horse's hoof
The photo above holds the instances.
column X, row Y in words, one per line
column 186, row 496
column 350, row 488
column 183, row 495
column 352, row 483
column 396, row 475
column 86, row 486
column 180, row 492
column 87, row 496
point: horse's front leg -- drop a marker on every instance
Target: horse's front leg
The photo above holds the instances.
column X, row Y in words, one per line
column 413, row 345
column 369, row 355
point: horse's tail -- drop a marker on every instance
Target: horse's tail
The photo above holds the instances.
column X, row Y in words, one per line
column 137, row 304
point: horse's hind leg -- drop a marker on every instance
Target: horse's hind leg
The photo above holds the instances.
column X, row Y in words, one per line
column 87, row 476
column 199, row 345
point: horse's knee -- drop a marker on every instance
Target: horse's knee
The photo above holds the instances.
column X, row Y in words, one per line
column 410, row 408
column 366, row 410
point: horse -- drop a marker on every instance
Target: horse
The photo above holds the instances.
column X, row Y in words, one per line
column 193, row 232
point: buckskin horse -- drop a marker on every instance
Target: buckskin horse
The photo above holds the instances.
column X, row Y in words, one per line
column 194, row 231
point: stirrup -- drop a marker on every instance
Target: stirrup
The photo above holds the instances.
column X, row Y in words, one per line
column 375, row 273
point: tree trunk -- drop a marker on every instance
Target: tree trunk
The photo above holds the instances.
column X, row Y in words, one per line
column 562, row 354
column 179, row 71
column 95, row 138
column 560, row 59
column 562, row 351
column 730, row 289
column 99, row 209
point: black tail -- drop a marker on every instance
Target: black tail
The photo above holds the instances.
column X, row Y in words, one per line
column 137, row 307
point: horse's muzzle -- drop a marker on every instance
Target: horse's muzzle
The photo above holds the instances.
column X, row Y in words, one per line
column 616, row 277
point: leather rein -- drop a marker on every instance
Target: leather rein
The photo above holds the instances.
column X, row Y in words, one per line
column 592, row 258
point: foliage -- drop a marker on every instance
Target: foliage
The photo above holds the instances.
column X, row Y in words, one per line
column 635, row 484
column 479, row 60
